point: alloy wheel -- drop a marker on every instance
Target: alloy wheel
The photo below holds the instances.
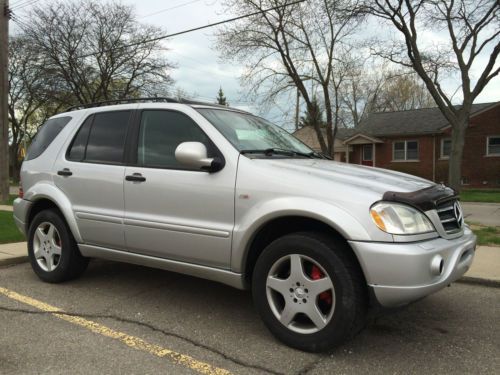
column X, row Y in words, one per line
column 300, row 293
column 47, row 246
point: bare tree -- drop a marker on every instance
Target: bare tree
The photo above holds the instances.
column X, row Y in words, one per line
column 472, row 28
column 25, row 82
column 287, row 47
column 98, row 51
column 402, row 91
column 360, row 89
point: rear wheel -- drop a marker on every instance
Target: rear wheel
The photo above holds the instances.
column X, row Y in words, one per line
column 52, row 250
column 309, row 291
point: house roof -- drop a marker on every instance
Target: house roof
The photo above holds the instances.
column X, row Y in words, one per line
column 361, row 138
column 417, row 121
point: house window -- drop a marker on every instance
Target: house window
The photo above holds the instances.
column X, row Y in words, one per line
column 368, row 152
column 445, row 148
column 464, row 180
column 493, row 146
column 405, row 150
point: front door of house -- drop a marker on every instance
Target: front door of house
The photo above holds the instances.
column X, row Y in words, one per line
column 367, row 154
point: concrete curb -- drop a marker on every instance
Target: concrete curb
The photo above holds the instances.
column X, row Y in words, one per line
column 478, row 281
column 14, row 260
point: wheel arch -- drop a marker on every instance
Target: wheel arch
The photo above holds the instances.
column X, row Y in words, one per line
column 47, row 197
column 281, row 226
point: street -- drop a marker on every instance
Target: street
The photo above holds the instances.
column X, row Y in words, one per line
column 129, row 319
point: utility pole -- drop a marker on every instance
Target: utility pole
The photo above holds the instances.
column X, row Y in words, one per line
column 297, row 110
column 4, row 90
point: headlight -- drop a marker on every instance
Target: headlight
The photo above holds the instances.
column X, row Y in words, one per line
column 397, row 218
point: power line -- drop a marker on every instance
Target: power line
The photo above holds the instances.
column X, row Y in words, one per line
column 171, row 8
column 24, row 4
column 191, row 30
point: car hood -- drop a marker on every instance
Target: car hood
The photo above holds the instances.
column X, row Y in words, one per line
column 376, row 180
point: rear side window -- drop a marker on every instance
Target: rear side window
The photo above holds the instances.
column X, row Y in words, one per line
column 101, row 138
column 46, row 134
column 77, row 149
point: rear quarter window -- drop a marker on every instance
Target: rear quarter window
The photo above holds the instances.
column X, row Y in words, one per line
column 46, row 134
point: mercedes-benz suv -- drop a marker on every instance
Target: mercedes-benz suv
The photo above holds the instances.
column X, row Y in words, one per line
column 221, row 194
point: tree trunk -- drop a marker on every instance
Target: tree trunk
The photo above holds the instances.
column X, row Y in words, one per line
column 457, row 150
column 14, row 162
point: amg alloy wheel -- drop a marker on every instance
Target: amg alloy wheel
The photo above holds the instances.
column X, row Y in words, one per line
column 309, row 290
column 300, row 293
column 52, row 250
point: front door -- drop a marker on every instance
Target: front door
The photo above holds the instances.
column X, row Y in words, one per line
column 367, row 154
column 172, row 211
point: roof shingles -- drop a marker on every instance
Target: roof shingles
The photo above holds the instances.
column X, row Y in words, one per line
column 417, row 121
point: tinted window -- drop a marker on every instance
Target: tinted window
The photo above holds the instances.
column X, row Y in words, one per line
column 46, row 134
column 107, row 137
column 159, row 135
column 77, row 148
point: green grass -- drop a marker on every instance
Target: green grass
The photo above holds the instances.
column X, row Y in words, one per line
column 8, row 229
column 487, row 235
column 476, row 195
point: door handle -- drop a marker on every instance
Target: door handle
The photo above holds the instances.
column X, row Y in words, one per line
column 65, row 172
column 137, row 177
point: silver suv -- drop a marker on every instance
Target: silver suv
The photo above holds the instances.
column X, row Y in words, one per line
column 224, row 195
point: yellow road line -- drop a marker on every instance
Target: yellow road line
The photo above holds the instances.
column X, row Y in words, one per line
column 131, row 341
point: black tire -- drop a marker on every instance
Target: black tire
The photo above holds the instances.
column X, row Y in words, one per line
column 351, row 299
column 71, row 263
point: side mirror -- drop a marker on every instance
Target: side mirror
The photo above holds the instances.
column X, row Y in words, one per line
column 194, row 155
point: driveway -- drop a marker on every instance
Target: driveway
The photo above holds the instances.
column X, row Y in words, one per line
column 482, row 213
column 129, row 319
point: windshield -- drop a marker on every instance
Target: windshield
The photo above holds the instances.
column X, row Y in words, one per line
column 248, row 132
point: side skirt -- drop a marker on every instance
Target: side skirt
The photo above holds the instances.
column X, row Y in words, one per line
column 236, row 280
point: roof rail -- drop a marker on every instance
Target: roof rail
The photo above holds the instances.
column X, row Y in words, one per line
column 208, row 104
column 122, row 101
column 154, row 99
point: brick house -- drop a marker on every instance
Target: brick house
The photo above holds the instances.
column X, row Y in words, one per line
column 418, row 142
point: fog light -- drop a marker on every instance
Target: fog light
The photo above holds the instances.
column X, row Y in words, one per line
column 437, row 265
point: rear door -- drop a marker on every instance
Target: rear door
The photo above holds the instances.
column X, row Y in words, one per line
column 91, row 174
column 172, row 211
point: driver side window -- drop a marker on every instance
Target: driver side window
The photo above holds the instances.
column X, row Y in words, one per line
column 160, row 133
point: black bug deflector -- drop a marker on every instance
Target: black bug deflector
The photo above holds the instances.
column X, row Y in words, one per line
column 424, row 199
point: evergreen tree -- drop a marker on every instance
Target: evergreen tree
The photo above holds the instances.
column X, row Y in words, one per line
column 221, row 99
column 315, row 116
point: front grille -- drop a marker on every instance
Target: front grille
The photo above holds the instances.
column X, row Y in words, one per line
column 449, row 219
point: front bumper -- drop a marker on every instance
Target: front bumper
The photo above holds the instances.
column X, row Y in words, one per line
column 400, row 273
column 21, row 210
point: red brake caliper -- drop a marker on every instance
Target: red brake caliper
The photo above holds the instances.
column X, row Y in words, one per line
column 316, row 274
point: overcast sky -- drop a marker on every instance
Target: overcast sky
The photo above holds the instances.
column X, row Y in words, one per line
column 199, row 69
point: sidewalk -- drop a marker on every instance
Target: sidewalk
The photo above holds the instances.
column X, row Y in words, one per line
column 486, row 214
column 485, row 268
column 13, row 253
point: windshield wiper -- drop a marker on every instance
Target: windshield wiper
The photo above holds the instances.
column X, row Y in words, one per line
column 280, row 151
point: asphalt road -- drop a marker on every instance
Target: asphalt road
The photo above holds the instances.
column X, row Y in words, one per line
column 149, row 321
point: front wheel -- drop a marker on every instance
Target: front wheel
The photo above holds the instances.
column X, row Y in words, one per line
column 52, row 250
column 309, row 291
